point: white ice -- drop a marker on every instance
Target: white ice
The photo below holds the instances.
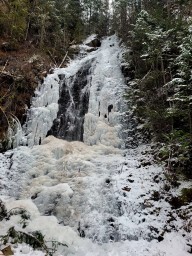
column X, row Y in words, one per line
column 103, row 120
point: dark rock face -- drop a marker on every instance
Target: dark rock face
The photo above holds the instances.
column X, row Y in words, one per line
column 94, row 43
column 73, row 105
column 128, row 72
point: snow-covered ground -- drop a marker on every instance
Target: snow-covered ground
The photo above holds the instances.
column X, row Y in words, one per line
column 98, row 192
column 95, row 197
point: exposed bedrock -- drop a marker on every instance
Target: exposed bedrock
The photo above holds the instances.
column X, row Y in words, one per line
column 73, row 105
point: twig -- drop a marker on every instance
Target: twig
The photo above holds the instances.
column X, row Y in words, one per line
column 145, row 76
column 4, row 66
column 63, row 59
column 68, row 58
column 52, row 58
column 7, row 74
column 8, row 91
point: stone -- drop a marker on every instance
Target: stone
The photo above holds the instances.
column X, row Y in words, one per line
column 94, row 43
column 126, row 189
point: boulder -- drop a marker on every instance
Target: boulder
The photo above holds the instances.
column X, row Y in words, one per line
column 95, row 42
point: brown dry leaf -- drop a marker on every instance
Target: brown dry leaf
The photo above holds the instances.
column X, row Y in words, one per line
column 7, row 251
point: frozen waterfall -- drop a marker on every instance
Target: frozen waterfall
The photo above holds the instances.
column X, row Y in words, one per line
column 74, row 177
column 82, row 102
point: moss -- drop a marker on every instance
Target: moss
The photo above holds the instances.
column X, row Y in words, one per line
column 175, row 202
column 185, row 198
column 172, row 179
column 186, row 195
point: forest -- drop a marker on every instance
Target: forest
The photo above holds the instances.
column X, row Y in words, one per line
column 158, row 38
column 95, row 127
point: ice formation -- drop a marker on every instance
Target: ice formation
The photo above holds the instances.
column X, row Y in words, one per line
column 94, row 196
column 103, row 120
column 43, row 111
column 84, row 100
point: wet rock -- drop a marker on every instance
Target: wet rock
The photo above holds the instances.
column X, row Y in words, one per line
column 111, row 219
column 34, row 196
column 190, row 248
column 146, row 163
column 175, row 202
column 131, row 181
column 128, row 71
column 126, row 189
column 94, row 43
column 91, row 49
column 166, row 187
column 156, row 179
column 155, row 196
column 107, row 181
column 154, row 229
column 160, row 238
column 73, row 105
column 61, row 76
column 80, row 230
